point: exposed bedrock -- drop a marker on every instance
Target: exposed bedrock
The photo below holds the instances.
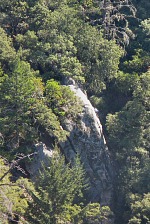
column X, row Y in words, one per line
column 86, row 138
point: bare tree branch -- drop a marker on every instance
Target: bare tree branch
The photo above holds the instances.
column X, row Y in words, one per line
column 15, row 164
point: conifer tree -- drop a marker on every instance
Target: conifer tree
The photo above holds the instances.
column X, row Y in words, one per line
column 19, row 92
column 58, row 186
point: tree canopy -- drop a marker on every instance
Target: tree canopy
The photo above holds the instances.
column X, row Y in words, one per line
column 104, row 46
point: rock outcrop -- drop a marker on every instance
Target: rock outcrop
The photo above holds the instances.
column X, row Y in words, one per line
column 43, row 152
column 86, row 138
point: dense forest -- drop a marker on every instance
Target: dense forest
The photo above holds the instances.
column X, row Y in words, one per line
column 104, row 46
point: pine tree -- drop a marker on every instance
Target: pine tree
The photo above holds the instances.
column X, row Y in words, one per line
column 58, row 185
column 20, row 90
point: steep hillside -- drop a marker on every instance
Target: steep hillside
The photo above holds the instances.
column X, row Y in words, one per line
column 72, row 74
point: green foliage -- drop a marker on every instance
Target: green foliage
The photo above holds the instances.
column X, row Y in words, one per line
column 67, row 46
column 62, row 100
column 15, row 19
column 14, row 196
column 126, row 82
column 94, row 214
column 139, row 63
column 54, row 45
column 140, row 207
column 129, row 139
column 41, row 43
column 57, row 187
column 125, row 127
column 146, row 26
column 59, row 195
column 46, row 119
column 100, row 58
column 7, row 52
column 20, row 91
column 64, row 57
column 128, row 126
column 143, row 7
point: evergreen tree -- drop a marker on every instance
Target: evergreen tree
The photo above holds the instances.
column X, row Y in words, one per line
column 58, row 185
column 20, row 90
column 14, row 196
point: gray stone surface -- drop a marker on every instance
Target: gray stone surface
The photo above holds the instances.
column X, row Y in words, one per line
column 43, row 153
column 86, row 138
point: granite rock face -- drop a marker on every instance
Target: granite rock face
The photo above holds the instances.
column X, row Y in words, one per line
column 42, row 155
column 86, row 138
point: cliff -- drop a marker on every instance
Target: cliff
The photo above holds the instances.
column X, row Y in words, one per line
column 86, row 138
